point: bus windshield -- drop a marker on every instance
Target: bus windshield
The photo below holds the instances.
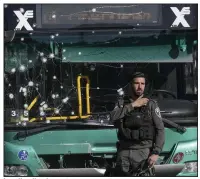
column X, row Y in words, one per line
column 52, row 74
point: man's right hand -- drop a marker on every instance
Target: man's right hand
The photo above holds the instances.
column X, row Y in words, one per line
column 140, row 102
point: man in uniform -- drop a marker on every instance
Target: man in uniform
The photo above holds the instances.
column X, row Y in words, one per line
column 140, row 130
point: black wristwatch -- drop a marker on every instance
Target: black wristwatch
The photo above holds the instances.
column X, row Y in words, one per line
column 155, row 152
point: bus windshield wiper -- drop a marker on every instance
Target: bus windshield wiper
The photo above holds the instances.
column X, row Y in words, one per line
column 29, row 132
column 39, row 129
column 176, row 126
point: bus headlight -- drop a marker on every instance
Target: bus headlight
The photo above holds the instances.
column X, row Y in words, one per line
column 190, row 167
column 14, row 170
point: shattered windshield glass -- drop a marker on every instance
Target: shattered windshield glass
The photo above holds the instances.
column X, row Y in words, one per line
column 68, row 76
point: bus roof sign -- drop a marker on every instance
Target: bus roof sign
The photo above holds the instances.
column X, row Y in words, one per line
column 101, row 16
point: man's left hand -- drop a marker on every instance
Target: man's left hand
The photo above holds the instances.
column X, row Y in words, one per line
column 152, row 159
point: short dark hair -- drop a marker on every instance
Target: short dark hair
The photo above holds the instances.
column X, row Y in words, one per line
column 138, row 75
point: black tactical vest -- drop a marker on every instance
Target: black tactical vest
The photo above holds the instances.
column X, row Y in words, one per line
column 137, row 125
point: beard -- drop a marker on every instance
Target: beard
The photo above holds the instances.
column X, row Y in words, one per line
column 138, row 93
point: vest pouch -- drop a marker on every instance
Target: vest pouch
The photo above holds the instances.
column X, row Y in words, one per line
column 135, row 135
column 133, row 120
column 146, row 133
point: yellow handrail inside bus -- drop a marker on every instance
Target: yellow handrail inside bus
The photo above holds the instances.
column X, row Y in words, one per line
column 87, row 95
column 32, row 103
column 79, row 102
column 60, row 118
